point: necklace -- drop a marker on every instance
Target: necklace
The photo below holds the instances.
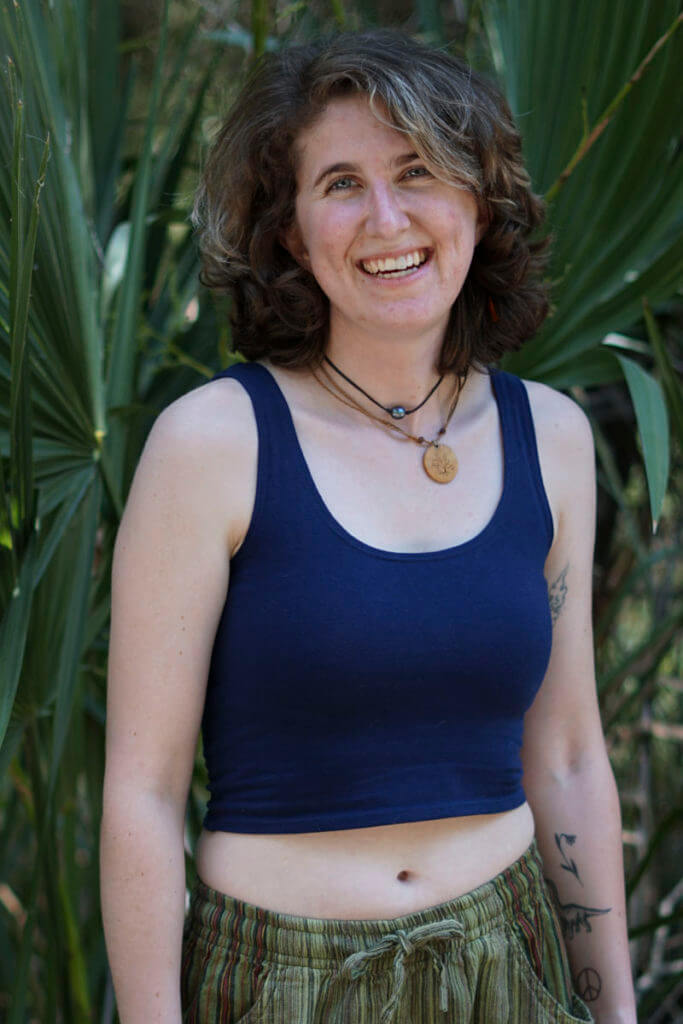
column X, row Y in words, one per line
column 396, row 411
column 439, row 460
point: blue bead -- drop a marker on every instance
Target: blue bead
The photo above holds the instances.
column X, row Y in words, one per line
column 398, row 412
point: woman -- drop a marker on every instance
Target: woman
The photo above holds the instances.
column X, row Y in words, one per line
column 376, row 648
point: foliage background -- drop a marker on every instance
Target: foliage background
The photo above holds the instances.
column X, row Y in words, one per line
column 106, row 107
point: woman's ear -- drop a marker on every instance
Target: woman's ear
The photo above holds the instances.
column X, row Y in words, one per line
column 482, row 226
column 292, row 241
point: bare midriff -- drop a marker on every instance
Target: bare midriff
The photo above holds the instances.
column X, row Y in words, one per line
column 362, row 873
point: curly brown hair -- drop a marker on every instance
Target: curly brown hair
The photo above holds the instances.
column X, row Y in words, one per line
column 457, row 121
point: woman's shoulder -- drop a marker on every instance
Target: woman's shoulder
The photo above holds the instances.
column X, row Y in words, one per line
column 208, row 435
column 566, row 452
column 216, row 413
column 560, row 422
column 200, row 457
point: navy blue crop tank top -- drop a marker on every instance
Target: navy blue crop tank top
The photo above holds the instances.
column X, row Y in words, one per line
column 351, row 686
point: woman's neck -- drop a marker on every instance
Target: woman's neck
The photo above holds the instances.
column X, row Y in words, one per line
column 401, row 371
column 395, row 371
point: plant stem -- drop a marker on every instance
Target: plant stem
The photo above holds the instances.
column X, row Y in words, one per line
column 259, row 26
column 609, row 112
column 339, row 13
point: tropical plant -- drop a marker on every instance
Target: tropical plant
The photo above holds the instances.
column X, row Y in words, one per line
column 96, row 276
column 102, row 323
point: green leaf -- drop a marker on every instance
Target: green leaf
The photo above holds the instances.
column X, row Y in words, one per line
column 670, row 379
column 21, row 460
column 259, row 26
column 13, row 632
column 671, row 823
column 596, row 366
column 50, row 61
column 122, row 357
column 653, row 425
column 115, row 257
column 69, row 655
column 10, row 745
column 72, row 492
column 103, row 94
column 78, row 976
column 431, row 21
column 593, row 133
column 617, row 223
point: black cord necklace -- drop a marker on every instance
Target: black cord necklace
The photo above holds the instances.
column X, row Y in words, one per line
column 396, row 411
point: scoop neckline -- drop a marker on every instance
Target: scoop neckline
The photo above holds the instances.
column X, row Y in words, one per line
column 454, row 549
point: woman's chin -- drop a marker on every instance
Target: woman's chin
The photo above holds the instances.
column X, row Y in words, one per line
column 401, row 320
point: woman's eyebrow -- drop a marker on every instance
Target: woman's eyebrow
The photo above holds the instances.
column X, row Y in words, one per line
column 334, row 169
column 404, row 158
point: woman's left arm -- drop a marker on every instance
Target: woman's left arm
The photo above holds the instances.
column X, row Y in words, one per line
column 568, row 779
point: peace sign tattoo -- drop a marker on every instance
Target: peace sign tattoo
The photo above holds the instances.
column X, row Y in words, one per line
column 588, row 984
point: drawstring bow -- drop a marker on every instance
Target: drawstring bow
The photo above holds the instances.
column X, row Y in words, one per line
column 403, row 944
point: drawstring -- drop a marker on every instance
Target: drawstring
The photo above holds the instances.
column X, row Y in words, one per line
column 403, row 944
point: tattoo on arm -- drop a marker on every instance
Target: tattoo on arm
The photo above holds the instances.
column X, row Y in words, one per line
column 588, row 984
column 574, row 917
column 567, row 862
column 557, row 594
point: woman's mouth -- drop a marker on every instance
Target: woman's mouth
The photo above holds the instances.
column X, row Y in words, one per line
column 396, row 266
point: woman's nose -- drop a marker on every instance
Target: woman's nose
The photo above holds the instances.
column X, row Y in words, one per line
column 386, row 215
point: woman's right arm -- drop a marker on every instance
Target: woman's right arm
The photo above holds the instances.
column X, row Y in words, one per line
column 169, row 581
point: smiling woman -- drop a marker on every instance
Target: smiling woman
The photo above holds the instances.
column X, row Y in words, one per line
column 443, row 123
column 398, row 712
column 359, row 224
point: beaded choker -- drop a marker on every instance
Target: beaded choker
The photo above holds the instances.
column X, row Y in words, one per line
column 439, row 460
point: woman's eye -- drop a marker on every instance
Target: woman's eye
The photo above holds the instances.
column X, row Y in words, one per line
column 417, row 172
column 341, row 185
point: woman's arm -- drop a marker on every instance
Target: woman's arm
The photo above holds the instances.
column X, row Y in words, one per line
column 170, row 577
column 567, row 776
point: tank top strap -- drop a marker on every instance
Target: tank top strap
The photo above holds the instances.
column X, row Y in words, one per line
column 270, row 409
column 521, row 450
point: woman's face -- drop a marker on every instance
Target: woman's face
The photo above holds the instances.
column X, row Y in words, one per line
column 388, row 243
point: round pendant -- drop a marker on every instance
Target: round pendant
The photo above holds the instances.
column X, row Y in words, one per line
column 440, row 463
column 398, row 412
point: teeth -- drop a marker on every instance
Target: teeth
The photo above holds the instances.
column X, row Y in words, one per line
column 411, row 259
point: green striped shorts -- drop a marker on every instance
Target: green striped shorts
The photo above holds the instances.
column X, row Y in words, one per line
column 492, row 956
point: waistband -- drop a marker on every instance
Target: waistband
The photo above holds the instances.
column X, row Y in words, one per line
column 278, row 938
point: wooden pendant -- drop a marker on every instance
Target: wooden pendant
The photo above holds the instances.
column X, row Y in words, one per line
column 440, row 463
